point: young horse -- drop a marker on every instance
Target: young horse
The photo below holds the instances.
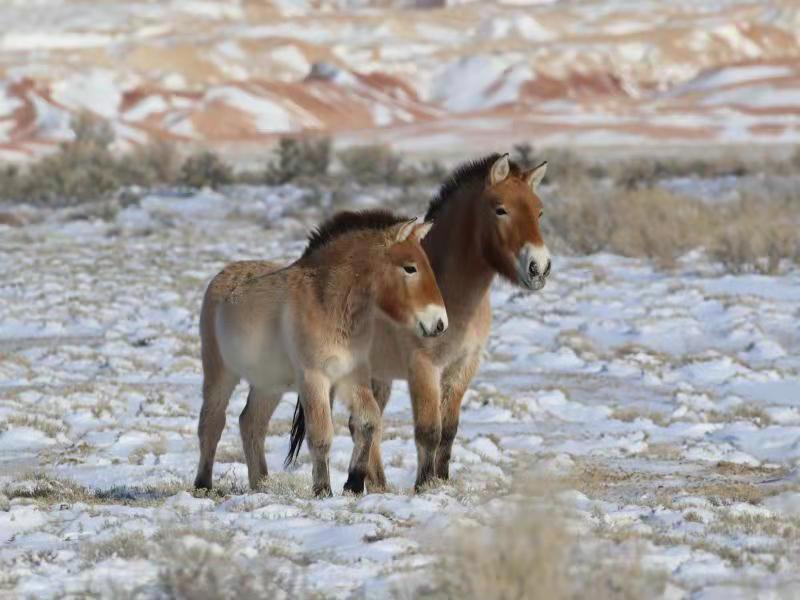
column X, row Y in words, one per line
column 309, row 326
column 485, row 222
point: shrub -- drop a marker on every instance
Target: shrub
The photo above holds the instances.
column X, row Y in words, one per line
column 755, row 235
column 85, row 169
column 10, row 182
column 523, row 154
column 646, row 172
column 531, row 552
column 564, row 166
column 642, row 223
column 296, row 159
column 431, row 171
column 519, row 558
column 374, row 164
column 153, row 163
column 208, row 571
column 205, row 169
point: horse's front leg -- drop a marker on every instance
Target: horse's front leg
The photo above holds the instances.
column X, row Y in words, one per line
column 455, row 381
column 314, row 394
column 424, row 386
column 365, row 417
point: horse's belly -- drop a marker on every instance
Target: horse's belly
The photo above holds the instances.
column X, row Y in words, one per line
column 256, row 352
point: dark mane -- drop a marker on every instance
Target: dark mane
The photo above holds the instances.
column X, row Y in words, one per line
column 465, row 173
column 347, row 221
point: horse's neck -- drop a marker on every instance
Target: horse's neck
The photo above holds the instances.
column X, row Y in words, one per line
column 463, row 275
column 346, row 293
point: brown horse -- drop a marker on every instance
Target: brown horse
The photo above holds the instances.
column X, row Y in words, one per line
column 485, row 222
column 309, row 326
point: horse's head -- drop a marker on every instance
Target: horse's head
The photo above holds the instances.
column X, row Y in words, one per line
column 511, row 241
column 407, row 289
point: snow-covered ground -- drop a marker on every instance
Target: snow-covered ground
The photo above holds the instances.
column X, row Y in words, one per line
column 669, row 402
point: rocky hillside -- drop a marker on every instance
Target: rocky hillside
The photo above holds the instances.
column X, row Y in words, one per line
column 426, row 76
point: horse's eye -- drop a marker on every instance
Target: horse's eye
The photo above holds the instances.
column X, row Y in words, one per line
column 410, row 269
column 500, row 211
column 541, row 213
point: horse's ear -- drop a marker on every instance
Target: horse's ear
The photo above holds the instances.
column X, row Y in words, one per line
column 421, row 230
column 405, row 230
column 500, row 170
column 534, row 177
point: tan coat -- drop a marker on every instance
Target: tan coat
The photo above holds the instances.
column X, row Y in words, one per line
column 309, row 327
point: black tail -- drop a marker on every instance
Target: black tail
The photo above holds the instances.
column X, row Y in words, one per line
column 297, row 436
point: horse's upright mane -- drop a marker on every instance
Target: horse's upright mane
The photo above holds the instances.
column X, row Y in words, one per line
column 464, row 174
column 348, row 221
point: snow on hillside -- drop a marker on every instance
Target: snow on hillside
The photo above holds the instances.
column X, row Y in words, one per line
column 673, row 72
column 669, row 400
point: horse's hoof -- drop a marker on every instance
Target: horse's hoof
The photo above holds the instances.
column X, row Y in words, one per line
column 323, row 492
column 354, row 483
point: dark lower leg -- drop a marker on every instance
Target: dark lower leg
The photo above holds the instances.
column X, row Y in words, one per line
column 427, row 437
column 445, row 448
column 363, row 422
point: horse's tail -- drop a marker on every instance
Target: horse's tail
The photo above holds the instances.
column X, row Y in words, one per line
column 297, row 435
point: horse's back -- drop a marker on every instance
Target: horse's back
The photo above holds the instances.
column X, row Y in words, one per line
column 233, row 280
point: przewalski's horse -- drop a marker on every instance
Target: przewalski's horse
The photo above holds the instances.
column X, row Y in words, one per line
column 485, row 223
column 309, row 326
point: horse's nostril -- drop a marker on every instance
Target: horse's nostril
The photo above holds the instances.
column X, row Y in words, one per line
column 547, row 269
column 533, row 269
column 440, row 326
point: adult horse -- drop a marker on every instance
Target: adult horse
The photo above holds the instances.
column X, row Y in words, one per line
column 485, row 223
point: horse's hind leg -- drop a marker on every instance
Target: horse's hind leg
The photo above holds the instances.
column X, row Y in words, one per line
column 253, row 425
column 365, row 418
column 218, row 385
column 314, row 395
column 376, row 478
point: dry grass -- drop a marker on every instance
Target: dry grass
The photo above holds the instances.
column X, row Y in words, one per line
column 629, row 414
column 526, row 556
column 750, row 412
column 156, row 448
column 204, row 573
column 49, row 490
column 49, row 427
column 725, row 467
column 693, row 517
column 200, row 563
column 566, row 165
column 126, row 545
column 40, row 486
column 756, row 233
column 642, row 223
column 287, row 485
column 530, row 553
column 725, row 492
column 731, row 525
